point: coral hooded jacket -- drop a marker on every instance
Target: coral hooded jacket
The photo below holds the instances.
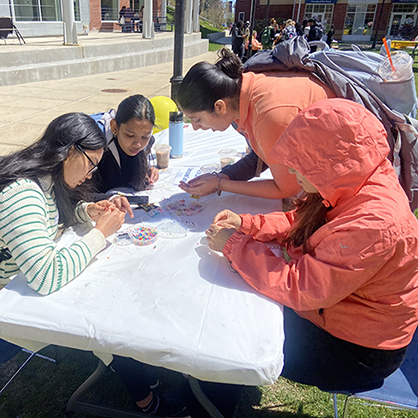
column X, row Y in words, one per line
column 361, row 281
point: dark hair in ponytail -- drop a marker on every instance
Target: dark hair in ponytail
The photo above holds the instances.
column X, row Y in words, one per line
column 206, row 83
column 138, row 107
column 46, row 157
column 310, row 216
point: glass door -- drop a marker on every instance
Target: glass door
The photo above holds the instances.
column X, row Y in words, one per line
column 402, row 21
column 359, row 19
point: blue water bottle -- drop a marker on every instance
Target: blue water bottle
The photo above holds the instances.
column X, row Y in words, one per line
column 175, row 134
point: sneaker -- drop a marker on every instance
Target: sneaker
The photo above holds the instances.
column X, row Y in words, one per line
column 166, row 405
column 155, row 385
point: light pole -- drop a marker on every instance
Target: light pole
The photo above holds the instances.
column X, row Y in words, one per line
column 252, row 15
column 178, row 49
column 377, row 25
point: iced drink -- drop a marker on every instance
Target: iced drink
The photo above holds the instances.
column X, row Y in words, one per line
column 162, row 152
column 227, row 157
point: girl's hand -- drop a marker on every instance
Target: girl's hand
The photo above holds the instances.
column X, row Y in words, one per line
column 202, row 185
column 95, row 210
column 153, row 175
column 121, row 203
column 216, row 236
column 228, row 219
column 110, row 221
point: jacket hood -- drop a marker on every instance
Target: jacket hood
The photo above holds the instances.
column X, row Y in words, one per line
column 336, row 144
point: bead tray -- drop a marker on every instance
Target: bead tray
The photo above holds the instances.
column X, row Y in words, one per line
column 142, row 235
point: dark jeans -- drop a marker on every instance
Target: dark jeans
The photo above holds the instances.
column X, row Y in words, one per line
column 314, row 357
column 224, row 396
column 8, row 351
column 136, row 376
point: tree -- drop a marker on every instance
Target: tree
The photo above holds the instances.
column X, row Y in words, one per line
column 216, row 11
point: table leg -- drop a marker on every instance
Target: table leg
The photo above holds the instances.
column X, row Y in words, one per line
column 203, row 399
column 75, row 405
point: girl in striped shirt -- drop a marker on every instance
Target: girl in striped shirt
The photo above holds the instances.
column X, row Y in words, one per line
column 43, row 187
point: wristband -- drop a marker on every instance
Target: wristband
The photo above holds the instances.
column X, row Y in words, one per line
column 218, row 190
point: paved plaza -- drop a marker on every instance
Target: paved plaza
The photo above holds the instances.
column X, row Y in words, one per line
column 26, row 109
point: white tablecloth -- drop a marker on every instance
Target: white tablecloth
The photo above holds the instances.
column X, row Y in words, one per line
column 175, row 303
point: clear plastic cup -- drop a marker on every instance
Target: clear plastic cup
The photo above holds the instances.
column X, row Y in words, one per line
column 227, row 156
column 162, row 152
column 209, row 168
column 402, row 62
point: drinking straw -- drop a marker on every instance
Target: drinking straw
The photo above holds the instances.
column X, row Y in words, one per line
column 388, row 54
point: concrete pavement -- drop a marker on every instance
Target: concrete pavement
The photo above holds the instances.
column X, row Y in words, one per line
column 26, row 109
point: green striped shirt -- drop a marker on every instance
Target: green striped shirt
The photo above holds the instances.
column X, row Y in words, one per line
column 28, row 227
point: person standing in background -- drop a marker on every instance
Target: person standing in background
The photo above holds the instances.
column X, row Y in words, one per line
column 238, row 39
column 330, row 35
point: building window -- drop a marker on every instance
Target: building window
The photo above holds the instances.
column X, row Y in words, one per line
column 402, row 20
column 359, row 19
column 77, row 11
column 324, row 13
column 241, row 16
column 110, row 10
column 42, row 10
column 136, row 5
column 27, row 10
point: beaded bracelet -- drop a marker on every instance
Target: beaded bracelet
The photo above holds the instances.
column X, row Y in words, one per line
column 218, row 190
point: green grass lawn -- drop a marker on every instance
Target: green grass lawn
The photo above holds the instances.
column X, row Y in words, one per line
column 43, row 388
column 215, row 47
column 206, row 28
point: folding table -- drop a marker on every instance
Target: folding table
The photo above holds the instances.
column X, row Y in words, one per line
column 174, row 304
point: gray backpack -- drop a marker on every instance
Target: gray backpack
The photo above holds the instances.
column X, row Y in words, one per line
column 353, row 75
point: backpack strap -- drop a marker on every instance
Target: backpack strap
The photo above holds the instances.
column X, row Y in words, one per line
column 259, row 169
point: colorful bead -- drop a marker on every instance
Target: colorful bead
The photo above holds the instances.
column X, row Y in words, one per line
column 142, row 235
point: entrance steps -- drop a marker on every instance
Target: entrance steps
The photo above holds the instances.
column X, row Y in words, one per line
column 43, row 59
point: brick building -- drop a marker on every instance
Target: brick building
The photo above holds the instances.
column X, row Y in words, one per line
column 353, row 20
column 44, row 17
column 104, row 13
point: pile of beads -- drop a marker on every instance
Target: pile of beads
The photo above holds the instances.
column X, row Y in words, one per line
column 181, row 208
column 142, row 235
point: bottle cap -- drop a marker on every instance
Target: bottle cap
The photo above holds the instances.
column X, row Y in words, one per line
column 176, row 116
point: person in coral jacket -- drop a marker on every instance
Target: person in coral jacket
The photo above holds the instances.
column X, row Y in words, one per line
column 349, row 275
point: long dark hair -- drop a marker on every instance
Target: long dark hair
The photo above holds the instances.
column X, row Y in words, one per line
column 46, row 156
column 206, row 83
column 138, row 107
column 310, row 216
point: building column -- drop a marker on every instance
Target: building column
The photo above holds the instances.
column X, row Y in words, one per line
column 70, row 30
column 147, row 22
column 188, row 17
column 196, row 22
column 163, row 18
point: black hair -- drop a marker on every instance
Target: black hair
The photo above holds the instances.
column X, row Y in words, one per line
column 137, row 107
column 46, row 156
column 206, row 83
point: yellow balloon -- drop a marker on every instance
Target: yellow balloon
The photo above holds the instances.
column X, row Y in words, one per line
column 162, row 108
